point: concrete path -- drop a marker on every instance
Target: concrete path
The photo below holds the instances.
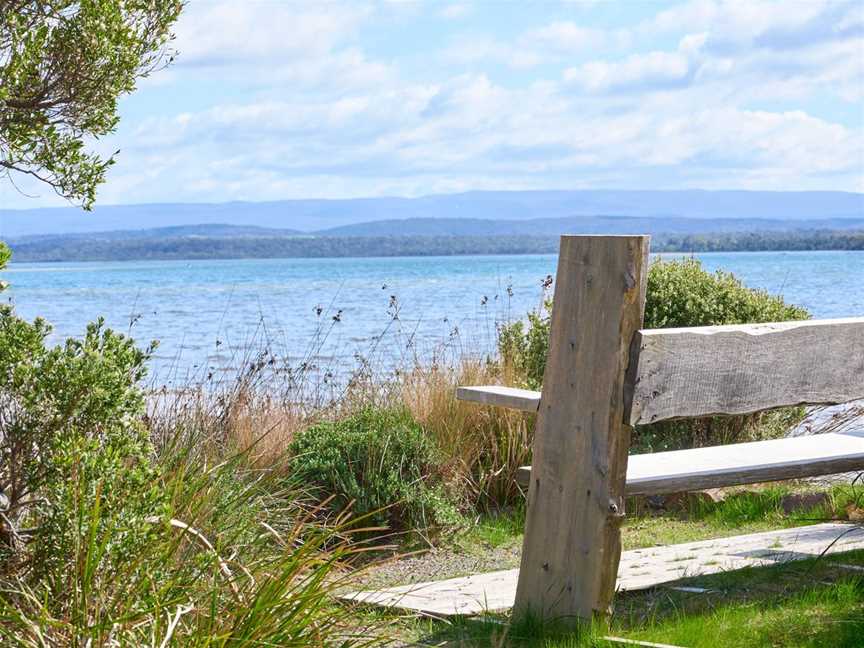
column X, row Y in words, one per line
column 639, row 569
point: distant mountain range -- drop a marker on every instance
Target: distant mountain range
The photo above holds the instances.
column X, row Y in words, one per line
column 477, row 222
column 583, row 225
column 217, row 231
column 462, row 214
column 458, row 227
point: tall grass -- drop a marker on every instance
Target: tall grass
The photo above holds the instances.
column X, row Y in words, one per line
column 238, row 558
column 262, row 410
column 482, row 447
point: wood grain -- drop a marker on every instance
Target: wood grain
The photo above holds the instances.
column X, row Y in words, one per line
column 496, row 395
column 743, row 463
column 702, row 371
column 572, row 542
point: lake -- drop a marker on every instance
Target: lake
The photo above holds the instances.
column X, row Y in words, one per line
column 211, row 316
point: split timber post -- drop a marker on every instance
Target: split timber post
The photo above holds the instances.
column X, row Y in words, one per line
column 572, row 542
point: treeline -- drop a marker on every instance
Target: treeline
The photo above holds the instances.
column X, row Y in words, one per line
column 760, row 241
column 83, row 249
column 279, row 247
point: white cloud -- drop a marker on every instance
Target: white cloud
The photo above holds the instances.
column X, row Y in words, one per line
column 470, row 132
column 455, row 11
column 227, row 33
column 551, row 43
column 567, row 37
column 733, row 25
column 742, row 52
column 276, row 43
column 639, row 72
column 475, row 49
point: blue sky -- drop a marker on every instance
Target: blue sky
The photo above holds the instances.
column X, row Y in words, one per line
column 276, row 99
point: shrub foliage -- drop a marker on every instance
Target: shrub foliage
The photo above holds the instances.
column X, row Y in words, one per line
column 683, row 293
column 71, row 436
column 680, row 293
column 63, row 67
column 104, row 542
column 380, row 462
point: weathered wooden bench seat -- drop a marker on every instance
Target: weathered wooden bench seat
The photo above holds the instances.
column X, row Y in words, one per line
column 697, row 468
column 742, row 463
column 499, row 396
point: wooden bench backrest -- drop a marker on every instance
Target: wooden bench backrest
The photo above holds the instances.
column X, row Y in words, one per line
column 691, row 372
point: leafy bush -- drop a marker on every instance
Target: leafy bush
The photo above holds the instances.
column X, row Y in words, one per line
column 380, row 462
column 680, row 293
column 72, row 440
column 524, row 348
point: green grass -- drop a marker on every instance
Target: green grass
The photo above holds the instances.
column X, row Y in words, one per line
column 820, row 616
column 500, row 529
column 749, row 612
column 745, row 510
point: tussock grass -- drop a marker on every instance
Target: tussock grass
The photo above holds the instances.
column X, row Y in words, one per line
column 239, row 557
column 481, row 447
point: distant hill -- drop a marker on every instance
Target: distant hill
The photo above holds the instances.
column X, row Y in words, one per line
column 454, row 227
column 317, row 215
column 219, row 230
column 583, row 225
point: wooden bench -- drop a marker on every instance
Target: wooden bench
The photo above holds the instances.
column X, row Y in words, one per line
column 605, row 375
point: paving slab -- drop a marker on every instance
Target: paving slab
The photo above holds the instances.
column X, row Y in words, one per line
column 639, row 569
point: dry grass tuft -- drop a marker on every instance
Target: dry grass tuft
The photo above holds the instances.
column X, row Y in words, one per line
column 481, row 447
column 238, row 419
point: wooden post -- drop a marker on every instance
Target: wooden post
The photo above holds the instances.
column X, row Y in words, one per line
column 572, row 541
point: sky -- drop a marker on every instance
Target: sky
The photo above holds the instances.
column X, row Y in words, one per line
column 274, row 100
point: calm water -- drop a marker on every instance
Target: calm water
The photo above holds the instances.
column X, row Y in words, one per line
column 210, row 316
